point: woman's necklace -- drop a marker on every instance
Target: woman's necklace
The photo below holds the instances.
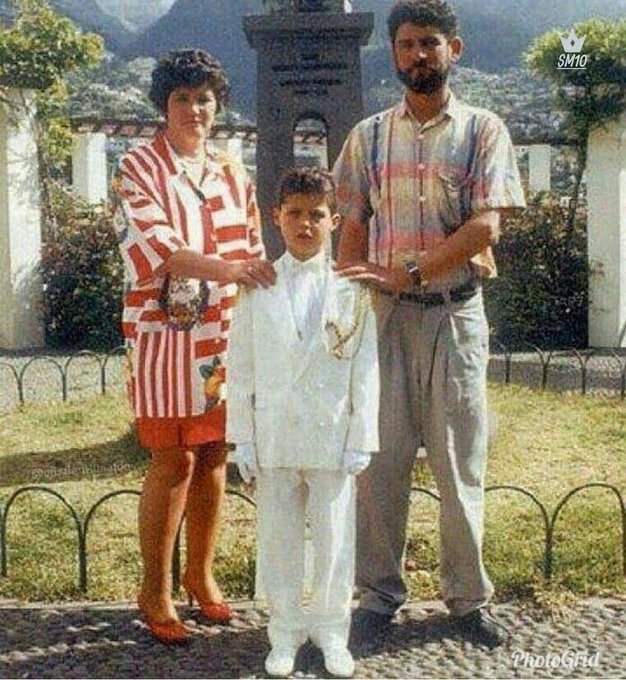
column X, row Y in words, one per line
column 194, row 166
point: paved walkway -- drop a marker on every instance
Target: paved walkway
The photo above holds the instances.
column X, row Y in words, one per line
column 98, row 641
column 602, row 370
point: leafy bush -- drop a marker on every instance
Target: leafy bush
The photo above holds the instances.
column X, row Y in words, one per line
column 82, row 274
column 38, row 50
column 540, row 295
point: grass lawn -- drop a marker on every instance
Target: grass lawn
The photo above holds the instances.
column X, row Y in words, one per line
column 547, row 443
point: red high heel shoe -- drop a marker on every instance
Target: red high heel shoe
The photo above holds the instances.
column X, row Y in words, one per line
column 215, row 612
column 170, row 632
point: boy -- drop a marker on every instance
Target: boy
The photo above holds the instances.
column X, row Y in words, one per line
column 302, row 373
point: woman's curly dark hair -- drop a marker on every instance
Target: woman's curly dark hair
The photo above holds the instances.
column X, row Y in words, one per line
column 189, row 68
column 435, row 13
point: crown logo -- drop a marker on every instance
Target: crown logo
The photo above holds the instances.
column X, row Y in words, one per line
column 573, row 43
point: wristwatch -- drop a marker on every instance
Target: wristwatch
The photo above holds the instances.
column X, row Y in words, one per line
column 414, row 271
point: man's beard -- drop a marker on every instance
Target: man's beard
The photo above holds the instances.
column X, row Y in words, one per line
column 423, row 84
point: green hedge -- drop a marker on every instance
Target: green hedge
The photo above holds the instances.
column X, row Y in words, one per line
column 540, row 295
column 83, row 276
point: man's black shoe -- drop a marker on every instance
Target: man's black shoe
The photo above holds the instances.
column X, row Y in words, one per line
column 367, row 625
column 481, row 627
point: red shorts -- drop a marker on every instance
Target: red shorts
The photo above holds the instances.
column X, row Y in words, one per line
column 184, row 433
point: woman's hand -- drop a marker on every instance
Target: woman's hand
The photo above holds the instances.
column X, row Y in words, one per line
column 251, row 273
column 248, row 273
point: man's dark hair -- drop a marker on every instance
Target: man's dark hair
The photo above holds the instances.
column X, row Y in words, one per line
column 311, row 181
column 188, row 68
column 435, row 13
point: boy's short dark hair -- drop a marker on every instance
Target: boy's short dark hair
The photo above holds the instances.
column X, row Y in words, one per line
column 311, row 181
column 435, row 13
column 188, row 68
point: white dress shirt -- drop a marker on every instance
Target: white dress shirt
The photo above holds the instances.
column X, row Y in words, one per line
column 306, row 282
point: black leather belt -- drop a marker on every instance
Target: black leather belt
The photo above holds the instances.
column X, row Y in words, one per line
column 460, row 294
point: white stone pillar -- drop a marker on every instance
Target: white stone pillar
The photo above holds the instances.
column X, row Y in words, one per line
column 21, row 318
column 606, row 233
column 539, row 167
column 230, row 145
column 89, row 166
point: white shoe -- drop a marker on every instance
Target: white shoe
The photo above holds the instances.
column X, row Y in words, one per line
column 338, row 660
column 280, row 661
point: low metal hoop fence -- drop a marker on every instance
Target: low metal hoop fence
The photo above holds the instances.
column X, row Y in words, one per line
column 572, row 369
column 547, row 523
column 82, row 526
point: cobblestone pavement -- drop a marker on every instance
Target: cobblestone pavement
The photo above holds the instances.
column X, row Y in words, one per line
column 98, row 641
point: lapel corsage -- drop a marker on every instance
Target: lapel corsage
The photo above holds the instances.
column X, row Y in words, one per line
column 343, row 320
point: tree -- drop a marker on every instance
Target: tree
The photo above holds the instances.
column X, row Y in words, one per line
column 591, row 96
column 36, row 52
column 41, row 46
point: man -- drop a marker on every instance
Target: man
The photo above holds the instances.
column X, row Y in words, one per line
column 421, row 188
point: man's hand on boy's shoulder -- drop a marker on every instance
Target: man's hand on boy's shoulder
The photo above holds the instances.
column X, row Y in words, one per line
column 388, row 279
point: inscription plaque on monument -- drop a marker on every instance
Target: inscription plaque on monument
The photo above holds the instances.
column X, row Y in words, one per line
column 309, row 67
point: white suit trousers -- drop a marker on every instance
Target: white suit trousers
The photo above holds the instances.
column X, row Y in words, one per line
column 286, row 497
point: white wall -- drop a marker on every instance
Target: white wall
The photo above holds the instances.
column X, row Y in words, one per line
column 89, row 167
column 21, row 324
column 539, row 167
column 606, row 191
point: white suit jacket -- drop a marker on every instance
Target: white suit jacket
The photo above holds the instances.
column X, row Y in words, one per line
column 294, row 398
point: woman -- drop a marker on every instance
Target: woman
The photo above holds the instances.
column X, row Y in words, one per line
column 189, row 231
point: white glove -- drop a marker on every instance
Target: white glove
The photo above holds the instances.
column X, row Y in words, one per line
column 246, row 461
column 355, row 462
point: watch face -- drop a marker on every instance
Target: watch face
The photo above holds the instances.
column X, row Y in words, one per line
column 414, row 272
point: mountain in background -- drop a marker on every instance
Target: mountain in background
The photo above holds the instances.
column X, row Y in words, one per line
column 135, row 15
column 496, row 33
column 213, row 25
column 530, row 16
column 90, row 17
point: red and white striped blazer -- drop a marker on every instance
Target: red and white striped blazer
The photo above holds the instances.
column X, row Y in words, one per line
column 158, row 210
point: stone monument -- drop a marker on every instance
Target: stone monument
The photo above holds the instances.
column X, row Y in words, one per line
column 290, row 6
column 309, row 67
